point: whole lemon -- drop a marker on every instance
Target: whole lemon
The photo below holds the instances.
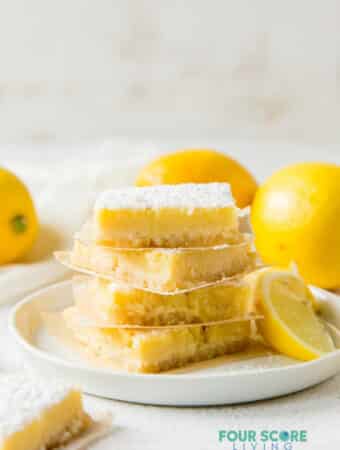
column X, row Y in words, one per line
column 200, row 166
column 295, row 217
column 18, row 219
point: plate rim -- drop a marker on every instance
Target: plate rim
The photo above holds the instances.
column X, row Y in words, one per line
column 30, row 348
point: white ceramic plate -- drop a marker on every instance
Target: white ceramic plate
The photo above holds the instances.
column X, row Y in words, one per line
column 238, row 380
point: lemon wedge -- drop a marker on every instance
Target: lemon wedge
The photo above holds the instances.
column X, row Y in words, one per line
column 290, row 324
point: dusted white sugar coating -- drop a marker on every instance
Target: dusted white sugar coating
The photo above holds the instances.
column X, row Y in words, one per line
column 189, row 196
column 23, row 399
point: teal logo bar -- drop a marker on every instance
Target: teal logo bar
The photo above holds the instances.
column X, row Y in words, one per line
column 262, row 440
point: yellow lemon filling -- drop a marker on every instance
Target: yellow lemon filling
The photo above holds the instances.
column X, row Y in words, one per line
column 158, row 350
column 114, row 304
column 164, row 270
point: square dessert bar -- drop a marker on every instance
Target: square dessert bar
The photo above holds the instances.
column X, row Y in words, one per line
column 37, row 414
column 183, row 215
column 164, row 270
column 161, row 349
column 113, row 304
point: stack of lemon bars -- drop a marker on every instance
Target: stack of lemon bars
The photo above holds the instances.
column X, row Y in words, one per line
column 164, row 285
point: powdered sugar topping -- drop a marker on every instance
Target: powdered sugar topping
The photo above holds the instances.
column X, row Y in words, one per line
column 208, row 195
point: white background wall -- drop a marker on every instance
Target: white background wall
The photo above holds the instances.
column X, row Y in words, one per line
column 75, row 70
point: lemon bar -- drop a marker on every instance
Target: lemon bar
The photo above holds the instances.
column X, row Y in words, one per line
column 164, row 270
column 37, row 414
column 183, row 215
column 114, row 304
column 159, row 350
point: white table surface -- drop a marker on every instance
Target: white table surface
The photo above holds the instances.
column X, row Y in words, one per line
column 316, row 410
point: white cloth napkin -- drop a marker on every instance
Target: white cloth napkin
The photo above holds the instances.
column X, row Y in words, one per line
column 64, row 197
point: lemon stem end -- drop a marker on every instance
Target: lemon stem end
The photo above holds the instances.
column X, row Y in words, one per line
column 19, row 224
